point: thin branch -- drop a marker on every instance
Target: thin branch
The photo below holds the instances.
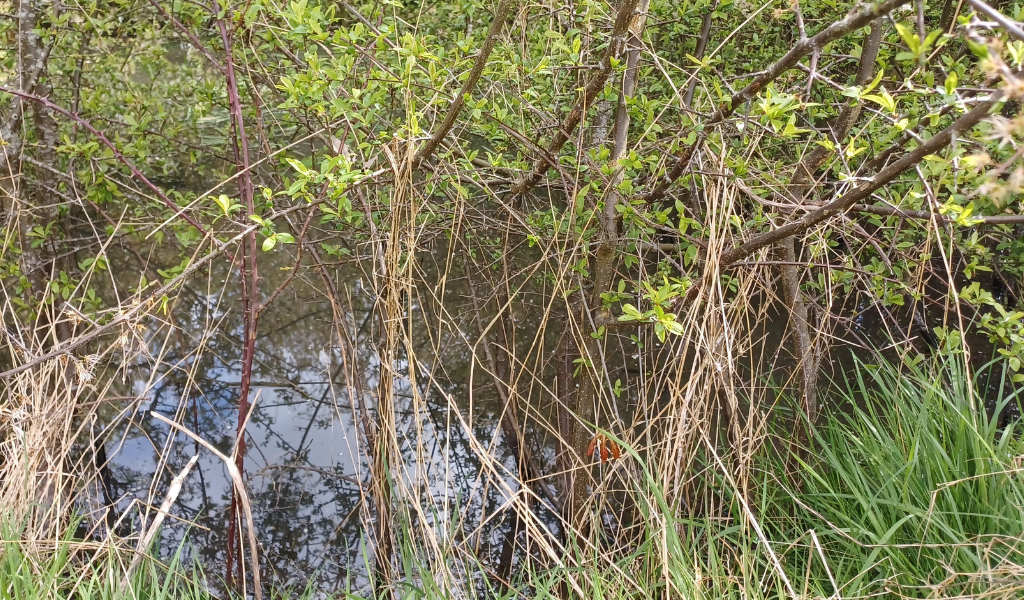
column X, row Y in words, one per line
column 698, row 51
column 1012, row 27
column 888, row 211
column 239, row 485
column 196, row 43
column 295, row 268
column 596, row 84
column 802, row 48
column 117, row 153
column 474, row 76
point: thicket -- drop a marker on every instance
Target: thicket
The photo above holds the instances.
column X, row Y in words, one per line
column 645, row 227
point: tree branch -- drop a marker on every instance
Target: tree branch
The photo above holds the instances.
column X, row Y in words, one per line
column 117, row 153
column 802, row 48
column 590, row 91
column 863, row 191
column 474, row 76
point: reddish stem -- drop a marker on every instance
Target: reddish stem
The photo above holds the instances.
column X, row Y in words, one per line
column 250, row 281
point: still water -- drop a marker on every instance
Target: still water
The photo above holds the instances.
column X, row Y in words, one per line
column 306, row 452
column 306, row 468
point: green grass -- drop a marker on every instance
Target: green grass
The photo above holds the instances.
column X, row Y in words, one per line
column 86, row 571
column 917, row 491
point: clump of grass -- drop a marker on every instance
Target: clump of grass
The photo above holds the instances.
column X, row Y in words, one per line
column 918, row 492
column 68, row 568
column 913, row 491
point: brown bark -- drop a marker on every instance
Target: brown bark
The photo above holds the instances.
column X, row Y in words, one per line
column 852, row 22
column 806, row 348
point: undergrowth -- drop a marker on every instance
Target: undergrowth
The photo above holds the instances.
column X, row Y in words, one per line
column 914, row 491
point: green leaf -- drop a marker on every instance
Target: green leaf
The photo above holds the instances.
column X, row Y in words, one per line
column 950, row 85
column 269, row 243
column 909, row 38
column 224, row 203
column 298, row 166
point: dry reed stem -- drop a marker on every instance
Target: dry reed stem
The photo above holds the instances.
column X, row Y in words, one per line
column 243, row 497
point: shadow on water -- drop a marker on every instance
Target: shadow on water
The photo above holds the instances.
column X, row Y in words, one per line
column 305, row 464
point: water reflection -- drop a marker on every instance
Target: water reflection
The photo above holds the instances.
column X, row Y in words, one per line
column 306, row 451
column 307, row 468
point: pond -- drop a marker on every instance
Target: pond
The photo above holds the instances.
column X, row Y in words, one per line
column 307, row 471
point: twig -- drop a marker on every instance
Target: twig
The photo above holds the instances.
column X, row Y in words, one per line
column 165, row 507
column 295, row 268
column 802, row 48
column 478, row 68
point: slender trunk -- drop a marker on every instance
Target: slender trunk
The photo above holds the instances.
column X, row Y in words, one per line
column 250, row 292
column 805, row 348
column 22, row 207
column 698, row 51
column 604, row 270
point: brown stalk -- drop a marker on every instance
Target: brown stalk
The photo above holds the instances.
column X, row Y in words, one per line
column 248, row 267
column 467, row 87
column 807, row 351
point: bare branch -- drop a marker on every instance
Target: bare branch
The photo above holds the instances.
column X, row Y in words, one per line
column 802, row 48
column 590, row 91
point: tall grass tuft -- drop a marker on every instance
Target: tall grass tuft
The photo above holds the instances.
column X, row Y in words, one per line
column 912, row 490
column 916, row 492
column 68, row 568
